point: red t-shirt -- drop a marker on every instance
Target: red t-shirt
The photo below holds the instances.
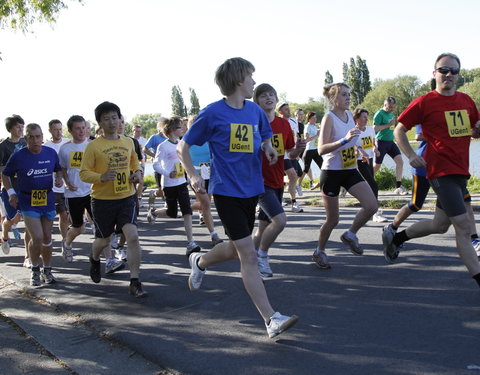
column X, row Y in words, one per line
column 282, row 140
column 446, row 125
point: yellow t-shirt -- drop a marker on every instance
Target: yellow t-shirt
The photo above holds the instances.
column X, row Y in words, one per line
column 103, row 154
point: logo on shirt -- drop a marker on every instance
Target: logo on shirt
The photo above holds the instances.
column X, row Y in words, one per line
column 36, row 172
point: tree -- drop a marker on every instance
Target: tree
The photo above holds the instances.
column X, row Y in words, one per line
column 473, row 90
column 194, row 102
column 148, row 122
column 311, row 106
column 178, row 104
column 359, row 80
column 345, row 72
column 20, row 14
column 328, row 78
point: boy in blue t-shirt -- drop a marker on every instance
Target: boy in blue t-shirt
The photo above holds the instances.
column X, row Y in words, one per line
column 237, row 131
column 34, row 167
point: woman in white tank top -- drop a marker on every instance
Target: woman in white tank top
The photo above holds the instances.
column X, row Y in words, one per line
column 337, row 141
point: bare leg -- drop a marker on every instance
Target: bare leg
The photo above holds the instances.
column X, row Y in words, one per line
column 133, row 250
column 267, row 232
column 398, row 167
column 331, row 211
column 365, row 196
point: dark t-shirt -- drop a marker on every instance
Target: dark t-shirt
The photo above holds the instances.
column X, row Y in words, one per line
column 7, row 148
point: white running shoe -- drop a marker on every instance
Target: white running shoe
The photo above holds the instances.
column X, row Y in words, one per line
column 351, row 240
column 296, row 208
column 390, row 250
column 299, row 190
column 196, row 276
column 5, row 247
column 379, row 218
column 113, row 265
column 121, row 253
column 400, row 191
column 67, row 252
column 264, row 267
column 151, row 199
column 27, row 263
column 280, row 323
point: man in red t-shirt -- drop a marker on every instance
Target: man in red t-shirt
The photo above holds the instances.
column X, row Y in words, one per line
column 449, row 119
column 272, row 217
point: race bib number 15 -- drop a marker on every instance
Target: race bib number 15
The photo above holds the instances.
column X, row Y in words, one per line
column 241, row 138
column 277, row 143
column 458, row 123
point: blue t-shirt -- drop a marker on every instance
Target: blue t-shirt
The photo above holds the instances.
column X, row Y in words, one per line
column 35, row 178
column 154, row 141
column 235, row 137
column 200, row 154
column 420, row 151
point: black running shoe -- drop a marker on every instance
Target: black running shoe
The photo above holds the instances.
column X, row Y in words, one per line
column 95, row 272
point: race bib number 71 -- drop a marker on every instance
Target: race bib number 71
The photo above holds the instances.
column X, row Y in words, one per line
column 458, row 123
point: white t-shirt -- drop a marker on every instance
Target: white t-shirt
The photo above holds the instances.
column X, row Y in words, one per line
column 311, row 130
column 56, row 147
column 70, row 156
column 366, row 141
column 166, row 161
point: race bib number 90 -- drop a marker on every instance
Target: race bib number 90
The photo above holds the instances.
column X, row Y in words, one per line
column 75, row 159
column 38, row 198
column 121, row 183
column 367, row 143
column 349, row 159
column 241, row 138
column 458, row 123
column 277, row 143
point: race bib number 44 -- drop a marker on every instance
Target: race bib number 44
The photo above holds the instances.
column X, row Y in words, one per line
column 75, row 159
column 241, row 138
column 458, row 123
column 349, row 159
column 38, row 198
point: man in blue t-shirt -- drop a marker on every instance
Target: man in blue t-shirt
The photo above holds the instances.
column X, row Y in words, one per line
column 34, row 167
column 237, row 131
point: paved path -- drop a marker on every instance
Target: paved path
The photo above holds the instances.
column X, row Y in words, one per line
column 418, row 316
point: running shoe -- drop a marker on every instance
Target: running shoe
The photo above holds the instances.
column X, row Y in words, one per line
column 343, row 192
column 6, row 247
column 113, row 265
column 192, row 247
column 379, row 218
column 280, row 323
column 47, row 276
column 136, row 289
column 216, row 240
column 201, row 220
column 296, row 208
column 390, row 250
column 16, row 233
column 67, row 252
column 151, row 199
column 320, row 258
column 264, row 267
column 476, row 245
column 121, row 253
column 114, row 241
column 196, row 275
column 351, row 240
column 35, row 277
column 400, row 191
column 95, row 272
column 299, row 190
column 27, row 263
column 151, row 215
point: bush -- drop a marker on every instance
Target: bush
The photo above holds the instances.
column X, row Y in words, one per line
column 149, row 181
column 386, row 179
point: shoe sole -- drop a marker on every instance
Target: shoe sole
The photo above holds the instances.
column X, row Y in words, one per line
column 347, row 242
column 119, row 268
column 288, row 324
column 385, row 252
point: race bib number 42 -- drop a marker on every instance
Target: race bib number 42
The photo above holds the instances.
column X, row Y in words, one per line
column 349, row 159
column 38, row 198
column 458, row 123
column 241, row 138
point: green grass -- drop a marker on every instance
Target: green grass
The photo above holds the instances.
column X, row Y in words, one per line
column 386, row 179
column 149, row 181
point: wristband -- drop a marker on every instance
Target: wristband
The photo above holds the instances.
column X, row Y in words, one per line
column 343, row 141
column 11, row 192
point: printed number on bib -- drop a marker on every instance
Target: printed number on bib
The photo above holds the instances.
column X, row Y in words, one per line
column 458, row 123
column 179, row 169
column 367, row 143
column 241, row 138
column 277, row 143
column 121, row 183
column 39, row 198
column 349, row 159
column 75, row 159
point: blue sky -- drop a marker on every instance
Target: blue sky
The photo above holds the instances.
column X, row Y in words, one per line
column 133, row 52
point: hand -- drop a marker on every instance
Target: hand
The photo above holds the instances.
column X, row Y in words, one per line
column 377, row 152
column 198, row 184
column 417, row 161
column 476, row 130
column 271, row 154
column 365, row 159
column 300, row 144
column 352, row 133
column 71, row 186
column 173, row 174
column 136, row 177
column 13, row 200
column 109, row 175
column 58, row 182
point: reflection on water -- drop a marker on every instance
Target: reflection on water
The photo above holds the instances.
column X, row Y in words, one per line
column 474, row 162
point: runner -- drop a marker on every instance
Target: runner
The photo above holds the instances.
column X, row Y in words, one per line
column 449, row 119
column 237, row 131
column 34, row 167
column 108, row 163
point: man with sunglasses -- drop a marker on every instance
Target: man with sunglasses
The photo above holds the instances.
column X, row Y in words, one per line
column 449, row 119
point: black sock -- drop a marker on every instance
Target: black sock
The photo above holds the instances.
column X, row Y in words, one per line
column 134, row 280
column 474, row 236
column 393, row 227
column 400, row 238
column 477, row 278
column 200, row 268
column 294, row 201
column 399, row 183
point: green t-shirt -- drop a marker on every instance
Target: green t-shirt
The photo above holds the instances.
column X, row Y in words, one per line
column 383, row 118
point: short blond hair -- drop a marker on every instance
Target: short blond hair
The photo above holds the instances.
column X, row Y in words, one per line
column 232, row 72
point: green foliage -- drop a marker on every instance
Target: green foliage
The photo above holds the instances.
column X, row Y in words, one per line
column 148, row 122
column 20, row 14
column 328, row 78
column 474, row 185
column 178, row 104
column 472, row 88
column 149, row 181
column 386, row 179
column 358, row 78
column 194, row 103
column 311, row 106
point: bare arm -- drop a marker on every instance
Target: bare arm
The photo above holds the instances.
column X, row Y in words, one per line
column 183, row 152
column 415, row 160
column 270, row 153
column 12, row 196
column 324, row 143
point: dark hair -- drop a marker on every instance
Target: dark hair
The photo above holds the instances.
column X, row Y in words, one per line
column 106, row 107
column 261, row 89
column 72, row 119
column 171, row 124
column 358, row 112
column 391, row 100
column 310, row 115
column 53, row 122
column 31, row 127
column 446, row 54
column 13, row 120
column 232, row 72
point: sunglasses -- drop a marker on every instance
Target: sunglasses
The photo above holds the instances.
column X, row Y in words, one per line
column 446, row 69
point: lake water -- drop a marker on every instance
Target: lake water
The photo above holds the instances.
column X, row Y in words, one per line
column 388, row 162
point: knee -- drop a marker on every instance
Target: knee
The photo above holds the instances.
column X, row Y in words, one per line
column 442, row 227
column 280, row 221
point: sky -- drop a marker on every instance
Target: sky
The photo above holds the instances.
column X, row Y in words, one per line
column 133, row 52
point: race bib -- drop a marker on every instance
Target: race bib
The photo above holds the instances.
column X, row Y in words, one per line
column 179, row 169
column 349, row 159
column 278, row 145
column 75, row 159
column 241, row 138
column 458, row 123
column 367, row 143
column 121, row 183
column 38, row 198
